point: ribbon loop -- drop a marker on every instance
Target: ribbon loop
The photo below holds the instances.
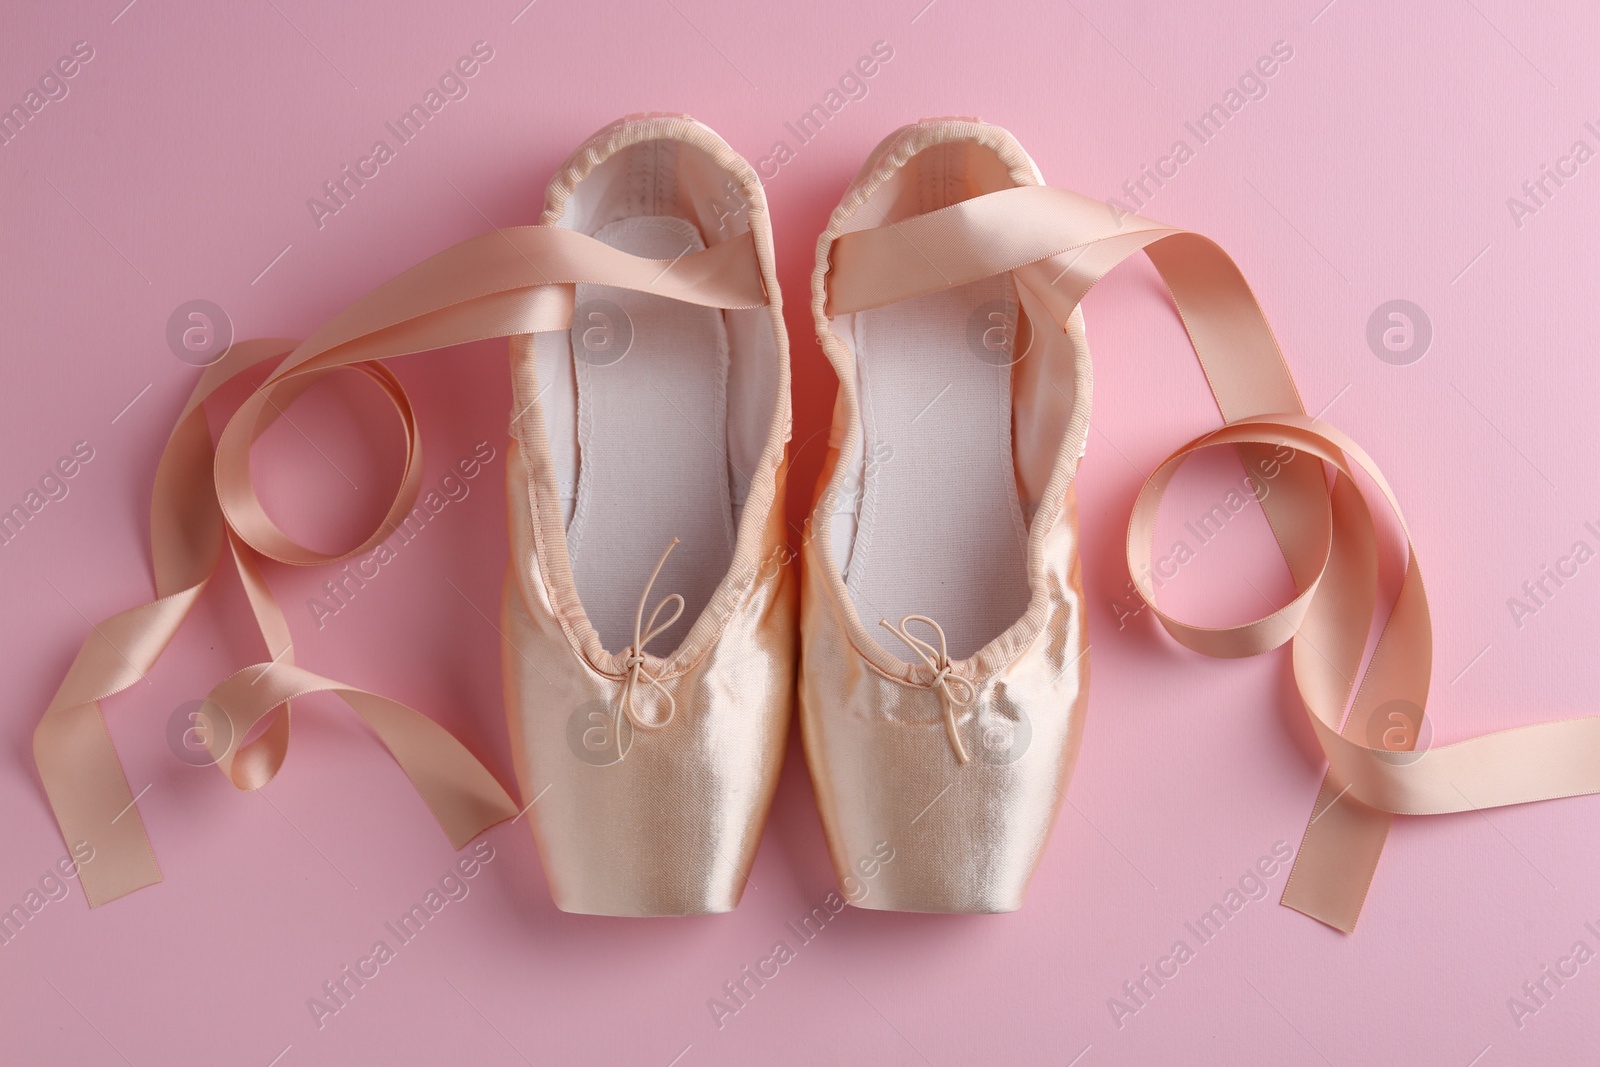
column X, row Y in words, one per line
column 504, row 283
column 499, row 284
column 1058, row 245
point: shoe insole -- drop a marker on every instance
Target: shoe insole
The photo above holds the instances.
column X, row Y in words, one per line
column 940, row 530
column 651, row 378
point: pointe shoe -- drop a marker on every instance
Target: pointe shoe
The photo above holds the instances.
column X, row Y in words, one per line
column 943, row 671
column 647, row 456
column 650, row 372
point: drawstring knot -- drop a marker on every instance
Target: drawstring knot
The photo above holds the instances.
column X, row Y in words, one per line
column 633, row 663
column 954, row 690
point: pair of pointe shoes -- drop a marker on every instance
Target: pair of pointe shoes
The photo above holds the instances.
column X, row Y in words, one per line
column 941, row 741
column 939, row 657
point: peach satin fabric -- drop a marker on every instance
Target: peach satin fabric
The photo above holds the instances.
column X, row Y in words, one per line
column 1058, row 244
column 504, row 283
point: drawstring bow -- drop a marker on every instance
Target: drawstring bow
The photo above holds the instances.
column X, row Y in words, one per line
column 945, row 680
column 634, row 662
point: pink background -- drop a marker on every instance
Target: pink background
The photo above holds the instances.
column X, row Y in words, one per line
column 1377, row 166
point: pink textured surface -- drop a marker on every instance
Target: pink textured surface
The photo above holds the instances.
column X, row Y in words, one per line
column 1377, row 165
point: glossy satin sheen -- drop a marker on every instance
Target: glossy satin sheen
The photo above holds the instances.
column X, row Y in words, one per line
column 672, row 829
column 966, row 836
column 1058, row 245
column 513, row 282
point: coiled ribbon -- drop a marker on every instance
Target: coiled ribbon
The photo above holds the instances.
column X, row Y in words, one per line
column 506, row 283
column 1057, row 245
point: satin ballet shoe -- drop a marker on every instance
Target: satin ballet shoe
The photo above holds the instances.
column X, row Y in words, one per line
column 946, row 295
column 651, row 410
column 943, row 671
column 647, row 456
column 651, row 407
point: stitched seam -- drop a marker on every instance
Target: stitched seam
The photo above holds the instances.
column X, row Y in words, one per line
column 866, row 505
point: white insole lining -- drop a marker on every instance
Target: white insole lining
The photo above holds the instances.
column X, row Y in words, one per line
column 940, row 529
column 652, row 443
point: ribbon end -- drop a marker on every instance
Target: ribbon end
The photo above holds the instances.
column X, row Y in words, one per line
column 1341, row 920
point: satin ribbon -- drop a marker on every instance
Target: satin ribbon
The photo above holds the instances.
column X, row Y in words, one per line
column 634, row 663
column 503, row 283
column 1058, row 244
column 945, row 681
